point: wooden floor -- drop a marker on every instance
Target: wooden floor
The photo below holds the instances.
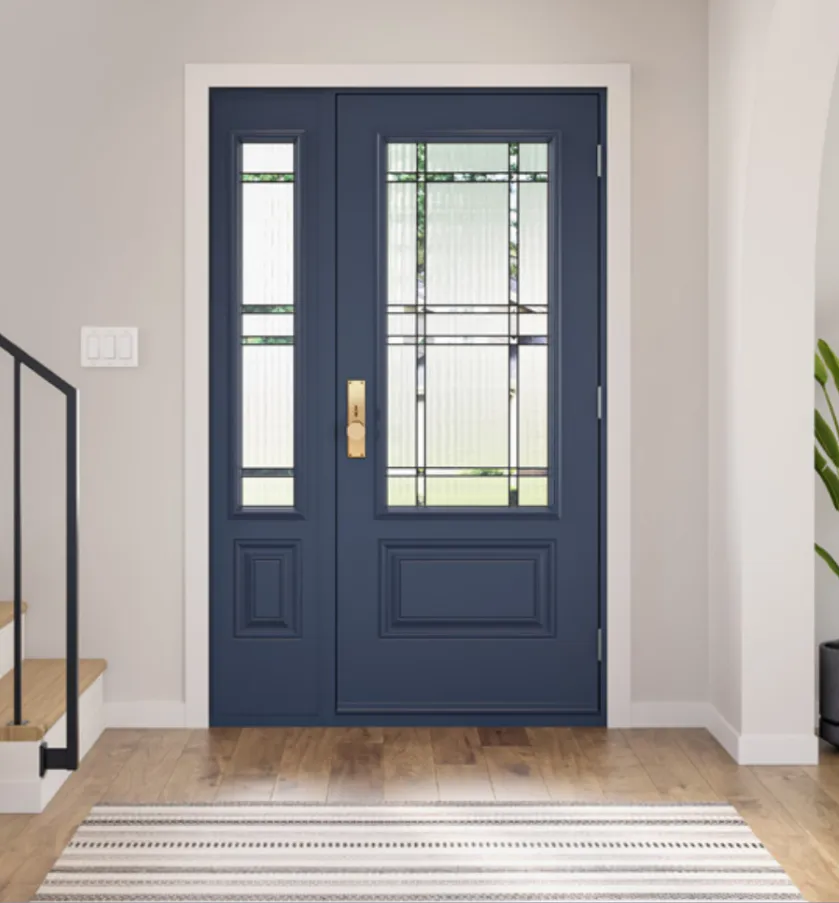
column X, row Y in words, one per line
column 794, row 811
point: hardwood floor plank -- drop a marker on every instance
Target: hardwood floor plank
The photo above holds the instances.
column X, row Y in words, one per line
column 814, row 809
column 16, row 893
column 408, row 765
column 813, row 870
column 515, row 774
column 148, row 769
column 356, row 774
column 464, row 783
column 460, row 766
column 455, row 745
column 254, row 765
column 30, row 854
column 567, row 773
column 622, row 778
column 11, row 826
column 306, row 765
column 795, row 811
column 503, row 736
column 826, row 773
column 201, row 766
column 675, row 777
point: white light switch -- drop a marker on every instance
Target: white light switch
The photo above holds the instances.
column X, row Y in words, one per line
column 109, row 346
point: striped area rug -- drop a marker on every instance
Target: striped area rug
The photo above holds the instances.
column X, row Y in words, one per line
column 417, row 853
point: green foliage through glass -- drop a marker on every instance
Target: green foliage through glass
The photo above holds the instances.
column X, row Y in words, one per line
column 827, row 436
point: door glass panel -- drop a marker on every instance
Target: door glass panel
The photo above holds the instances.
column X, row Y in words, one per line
column 460, row 158
column 533, row 406
column 467, row 263
column 533, row 245
column 533, row 157
column 402, row 448
column 267, row 325
column 533, row 491
column 466, row 228
column 401, row 157
column 402, row 240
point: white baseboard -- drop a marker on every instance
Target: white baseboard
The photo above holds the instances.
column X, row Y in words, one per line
column 727, row 737
column 22, row 789
column 778, row 749
column 745, row 749
column 145, row 713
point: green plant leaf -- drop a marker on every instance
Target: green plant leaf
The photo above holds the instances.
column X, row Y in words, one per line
column 828, row 559
column 826, row 439
column 821, row 371
column 829, row 478
column 830, row 360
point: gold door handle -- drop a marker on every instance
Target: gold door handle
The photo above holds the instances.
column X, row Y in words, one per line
column 356, row 419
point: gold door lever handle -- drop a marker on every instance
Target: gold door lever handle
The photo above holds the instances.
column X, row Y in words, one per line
column 356, row 419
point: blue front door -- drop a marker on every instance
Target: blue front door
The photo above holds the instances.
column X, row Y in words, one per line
column 405, row 437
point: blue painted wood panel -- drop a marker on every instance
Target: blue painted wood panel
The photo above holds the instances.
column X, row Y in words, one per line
column 545, row 664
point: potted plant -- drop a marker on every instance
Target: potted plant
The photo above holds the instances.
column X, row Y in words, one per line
column 827, row 467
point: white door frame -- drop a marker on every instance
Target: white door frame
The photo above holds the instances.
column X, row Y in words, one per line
column 199, row 78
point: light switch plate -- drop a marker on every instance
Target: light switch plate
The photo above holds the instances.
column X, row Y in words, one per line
column 109, row 346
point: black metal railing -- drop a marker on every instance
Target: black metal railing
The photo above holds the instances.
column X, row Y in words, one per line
column 55, row 758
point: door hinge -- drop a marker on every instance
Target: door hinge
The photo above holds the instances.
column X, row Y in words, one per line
column 599, row 161
column 600, row 644
column 600, row 402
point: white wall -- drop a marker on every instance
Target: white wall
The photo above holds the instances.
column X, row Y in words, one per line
column 91, row 233
column 827, row 327
column 737, row 33
column 767, row 143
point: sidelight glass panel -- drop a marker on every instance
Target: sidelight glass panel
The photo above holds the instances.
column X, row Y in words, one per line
column 267, row 406
column 267, row 242
column 467, row 264
column 267, row 325
column 268, row 158
column 268, row 492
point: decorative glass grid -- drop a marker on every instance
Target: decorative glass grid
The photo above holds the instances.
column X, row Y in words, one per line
column 267, row 325
column 467, row 336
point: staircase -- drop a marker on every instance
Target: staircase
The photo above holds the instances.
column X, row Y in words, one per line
column 51, row 710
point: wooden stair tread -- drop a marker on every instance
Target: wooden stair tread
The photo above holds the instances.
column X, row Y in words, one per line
column 7, row 612
column 43, row 695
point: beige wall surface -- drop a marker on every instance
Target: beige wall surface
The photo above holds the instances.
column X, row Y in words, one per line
column 91, row 224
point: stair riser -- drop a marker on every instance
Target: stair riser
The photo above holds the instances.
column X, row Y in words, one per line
column 7, row 647
column 21, row 787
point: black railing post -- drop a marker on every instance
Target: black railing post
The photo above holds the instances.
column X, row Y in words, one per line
column 56, row 758
column 72, row 580
column 18, row 559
